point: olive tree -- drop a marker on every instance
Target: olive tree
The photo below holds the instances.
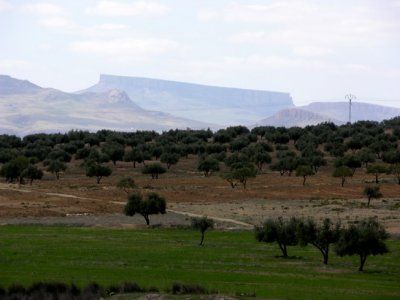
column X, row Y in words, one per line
column 153, row 204
column 169, row 159
column 283, row 232
column 154, row 170
column 208, row 165
column 304, row 171
column 377, row 170
column 98, row 171
column 202, row 224
column 134, row 156
column 320, row 236
column 372, row 192
column 343, row 172
column 126, row 184
column 56, row 167
column 32, row 173
column 363, row 239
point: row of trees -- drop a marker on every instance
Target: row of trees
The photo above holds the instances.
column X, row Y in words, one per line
column 364, row 238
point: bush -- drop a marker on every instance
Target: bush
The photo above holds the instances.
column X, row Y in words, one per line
column 185, row 289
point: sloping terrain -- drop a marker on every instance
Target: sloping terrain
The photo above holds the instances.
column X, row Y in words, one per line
column 26, row 108
column 336, row 112
column 219, row 105
column 296, row 117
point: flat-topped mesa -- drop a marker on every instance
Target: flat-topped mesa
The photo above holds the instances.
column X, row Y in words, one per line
column 223, row 105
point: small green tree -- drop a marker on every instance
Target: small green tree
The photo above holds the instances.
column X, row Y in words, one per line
column 364, row 239
column 283, row 232
column 260, row 158
column 32, row 173
column 343, row 172
column 114, row 151
column 320, row 236
column 372, row 192
column 202, row 224
column 377, row 170
column 208, row 165
column 241, row 172
column 154, row 170
column 126, row 184
column 56, row 167
column 169, row 159
column 14, row 169
column 98, row 171
column 134, row 156
column 395, row 169
column 152, row 205
column 366, row 156
column 304, row 171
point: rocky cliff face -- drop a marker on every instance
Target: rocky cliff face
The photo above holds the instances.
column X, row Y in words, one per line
column 220, row 105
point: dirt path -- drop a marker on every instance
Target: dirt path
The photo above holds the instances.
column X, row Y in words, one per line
column 174, row 212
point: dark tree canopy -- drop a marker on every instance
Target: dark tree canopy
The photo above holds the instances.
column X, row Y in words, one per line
column 98, row 171
column 126, row 184
column 320, row 236
column 153, row 204
column 363, row 239
column 304, row 171
column 169, row 159
column 154, row 169
column 283, row 232
column 207, row 165
column 56, row 167
column 32, row 173
column 372, row 192
column 343, row 172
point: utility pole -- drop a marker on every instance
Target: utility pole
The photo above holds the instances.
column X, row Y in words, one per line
column 350, row 97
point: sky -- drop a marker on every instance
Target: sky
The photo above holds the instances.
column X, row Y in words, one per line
column 314, row 50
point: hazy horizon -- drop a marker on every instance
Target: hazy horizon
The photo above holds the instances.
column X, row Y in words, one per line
column 314, row 51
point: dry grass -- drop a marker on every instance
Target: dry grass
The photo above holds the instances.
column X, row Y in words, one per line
column 185, row 189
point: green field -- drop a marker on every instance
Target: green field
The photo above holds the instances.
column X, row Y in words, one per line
column 230, row 262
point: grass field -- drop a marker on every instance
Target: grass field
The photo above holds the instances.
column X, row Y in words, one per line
column 230, row 262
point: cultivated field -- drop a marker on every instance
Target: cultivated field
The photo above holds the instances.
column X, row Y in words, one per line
column 232, row 263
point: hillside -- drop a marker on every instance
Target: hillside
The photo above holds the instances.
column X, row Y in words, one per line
column 296, row 117
column 336, row 112
column 26, row 108
column 219, row 105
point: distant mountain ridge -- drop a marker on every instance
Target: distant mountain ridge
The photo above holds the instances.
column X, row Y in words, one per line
column 9, row 86
column 50, row 110
column 336, row 112
column 219, row 105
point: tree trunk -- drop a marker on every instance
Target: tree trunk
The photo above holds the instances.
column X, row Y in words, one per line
column 98, row 179
column 362, row 262
column 283, row 249
column 369, row 200
column 304, row 180
column 244, row 183
column 202, row 239
column 146, row 217
column 134, row 164
column 325, row 253
column 343, row 181
column 376, row 178
column 57, row 175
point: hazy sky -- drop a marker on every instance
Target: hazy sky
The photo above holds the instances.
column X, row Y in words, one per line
column 316, row 50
